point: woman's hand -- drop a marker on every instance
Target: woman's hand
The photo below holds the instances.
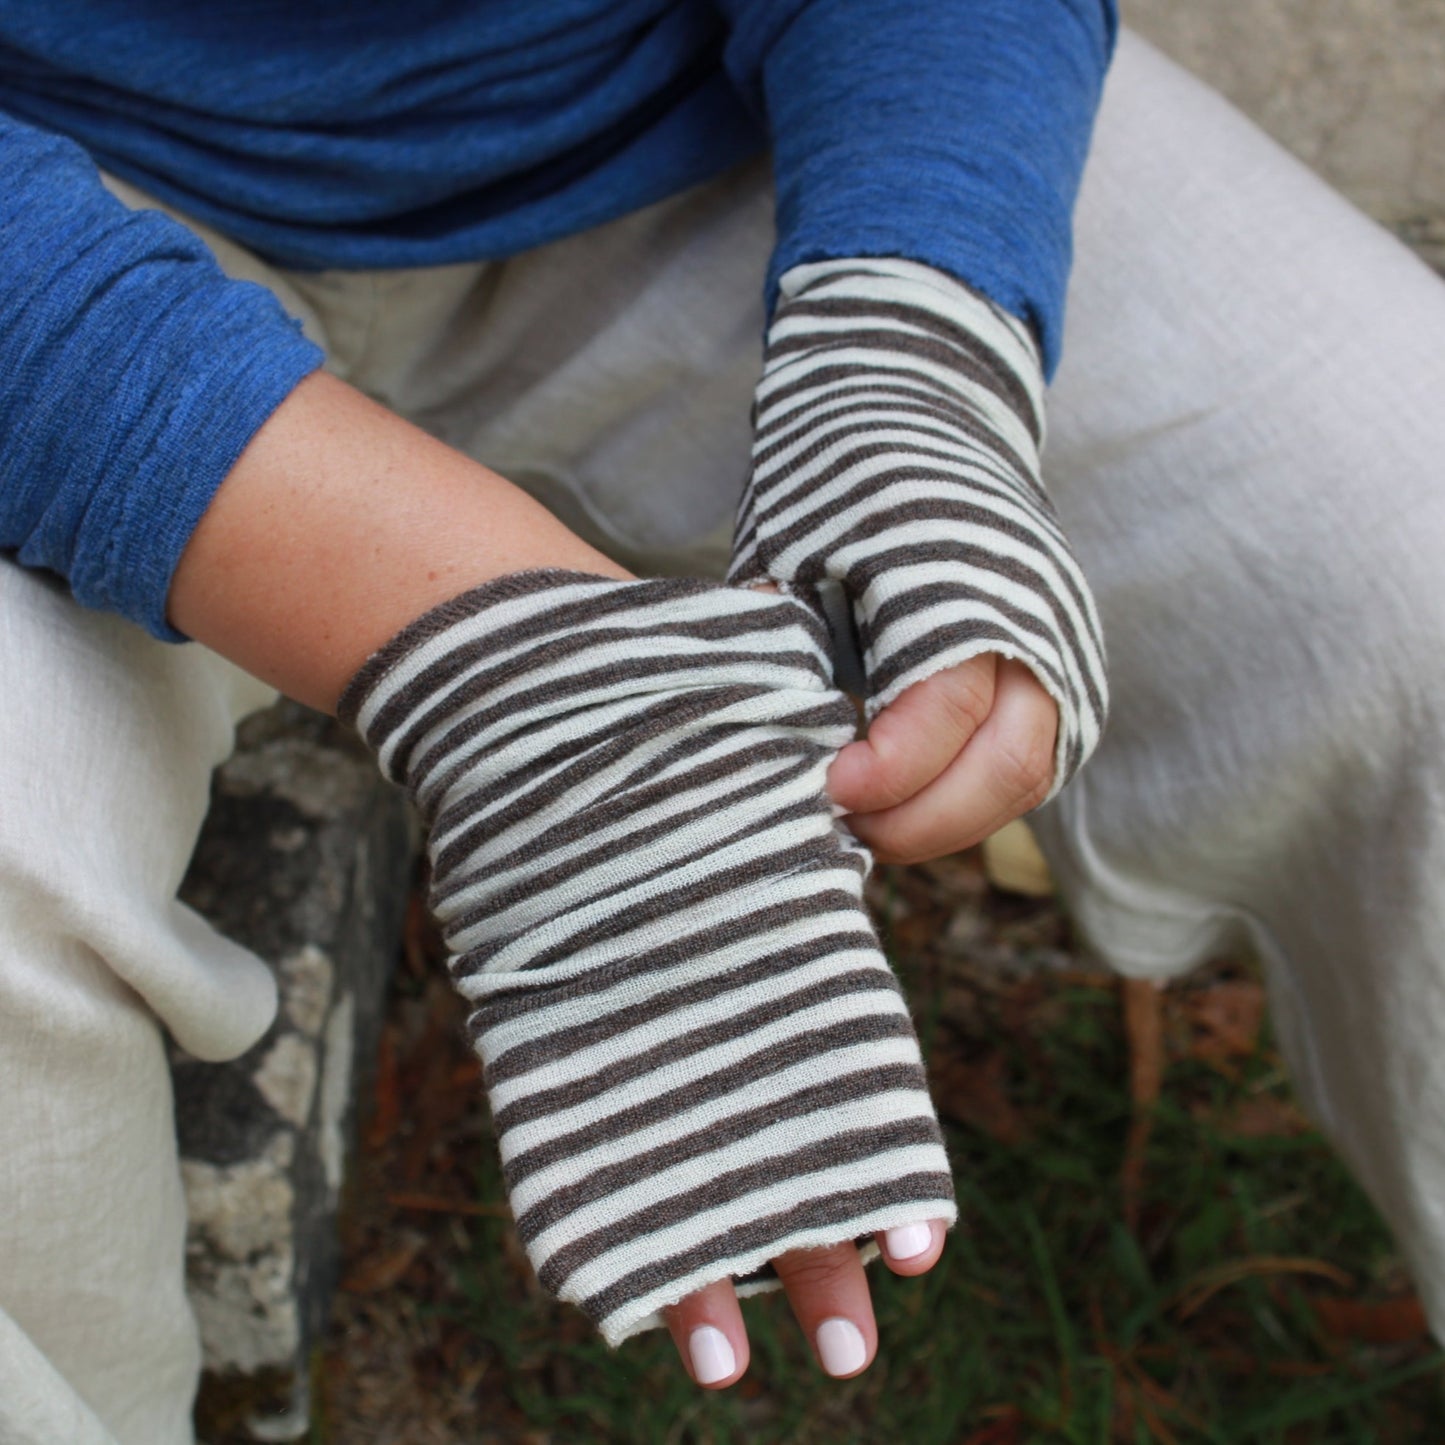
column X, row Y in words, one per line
column 956, row 757
column 828, row 1292
column 952, row 760
column 896, row 476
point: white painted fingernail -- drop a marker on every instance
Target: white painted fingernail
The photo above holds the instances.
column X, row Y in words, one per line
column 712, row 1355
column 907, row 1240
column 840, row 1346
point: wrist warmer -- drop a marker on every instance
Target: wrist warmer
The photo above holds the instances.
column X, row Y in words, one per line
column 696, row 1055
column 898, row 424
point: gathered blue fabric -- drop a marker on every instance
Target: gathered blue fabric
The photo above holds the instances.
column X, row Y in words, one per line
column 368, row 134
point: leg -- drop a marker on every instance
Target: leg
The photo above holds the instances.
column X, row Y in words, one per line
column 1246, row 446
column 85, row 973
column 107, row 741
column 609, row 373
column 1246, row 356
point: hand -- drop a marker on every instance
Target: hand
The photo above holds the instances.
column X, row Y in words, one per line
column 952, row 760
column 949, row 762
column 896, row 476
column 828, row 1291
column 696, row 1055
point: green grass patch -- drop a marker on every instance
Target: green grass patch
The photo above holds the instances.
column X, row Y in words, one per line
column 1047, row 1319
column 1240, row 1290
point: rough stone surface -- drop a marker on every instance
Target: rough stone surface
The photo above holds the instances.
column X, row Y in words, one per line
column 242, row 1259
column 1355, row 88
column 306, row 858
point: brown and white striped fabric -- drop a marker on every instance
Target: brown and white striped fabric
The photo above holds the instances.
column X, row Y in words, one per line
column 898, row 423
column 696, row 1055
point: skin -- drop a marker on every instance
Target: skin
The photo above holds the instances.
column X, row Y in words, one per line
column 340, row 523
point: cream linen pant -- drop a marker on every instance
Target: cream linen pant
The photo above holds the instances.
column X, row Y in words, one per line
column 1248, row 447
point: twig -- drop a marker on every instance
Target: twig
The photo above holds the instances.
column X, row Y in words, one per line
column 439, row 1204
column 1144, row 1029
column 1203, row 1287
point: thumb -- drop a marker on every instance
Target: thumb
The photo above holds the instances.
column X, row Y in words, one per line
column 914, row 739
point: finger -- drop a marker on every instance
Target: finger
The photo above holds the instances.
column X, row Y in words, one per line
column 915, row 737
column 828, row 1292
column 911, row 1249
column 707, row 1328
column 1003, row 772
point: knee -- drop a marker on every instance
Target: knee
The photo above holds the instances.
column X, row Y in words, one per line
column 107, row 743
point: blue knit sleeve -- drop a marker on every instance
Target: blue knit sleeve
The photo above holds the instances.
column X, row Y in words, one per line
column 951, row 132
column 133, row 373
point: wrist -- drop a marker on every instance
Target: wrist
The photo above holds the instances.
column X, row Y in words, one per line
column 341, row 523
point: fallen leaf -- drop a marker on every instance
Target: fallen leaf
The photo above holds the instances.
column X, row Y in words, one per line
column 974, row 1092
column 1300, row 1369
column 1372, row 1322
column 1144, row 1030
column 1134, row 1385
column 1265, row 1116
column 433, row 1104
column 1224, row 1020
column 386, row 1106
column 382, row 1271
column 1006, row 1428
column 421, row 944
column 442, row 1204
column 1014, row 862
column 915, row 933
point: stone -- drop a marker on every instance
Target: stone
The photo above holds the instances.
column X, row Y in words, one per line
column 306, row 982
column 340, row 1051
column 1355, row 88
column 306, row 858
column 287, row 1077
column 240, row 1258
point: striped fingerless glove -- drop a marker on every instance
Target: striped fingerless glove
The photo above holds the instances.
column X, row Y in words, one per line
column 898, row 424
column 696, row 1055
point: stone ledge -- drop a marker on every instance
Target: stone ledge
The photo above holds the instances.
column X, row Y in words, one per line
column 1352, row 87
column 307, row 859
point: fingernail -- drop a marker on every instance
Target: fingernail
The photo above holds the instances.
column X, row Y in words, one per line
column 907, row 1240
column 712, row 1355
column 840, row 1346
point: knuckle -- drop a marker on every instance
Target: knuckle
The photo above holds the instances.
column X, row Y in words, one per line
column 811, row 1269
column 1025, row 767
column 895, row 783
column 966, row 697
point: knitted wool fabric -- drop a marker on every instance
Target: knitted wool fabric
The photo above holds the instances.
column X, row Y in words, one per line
column 696, row 1055
column 898, row 425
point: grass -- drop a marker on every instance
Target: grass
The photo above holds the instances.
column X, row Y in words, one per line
column 1050, row 1318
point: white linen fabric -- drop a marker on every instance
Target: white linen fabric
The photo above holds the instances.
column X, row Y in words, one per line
column 1245, row 446
column 107, row 740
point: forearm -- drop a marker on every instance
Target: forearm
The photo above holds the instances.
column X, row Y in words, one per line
column 339, row 524
column 952, row 134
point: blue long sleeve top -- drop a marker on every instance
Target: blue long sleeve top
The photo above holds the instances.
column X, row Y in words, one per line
column 364, row 133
